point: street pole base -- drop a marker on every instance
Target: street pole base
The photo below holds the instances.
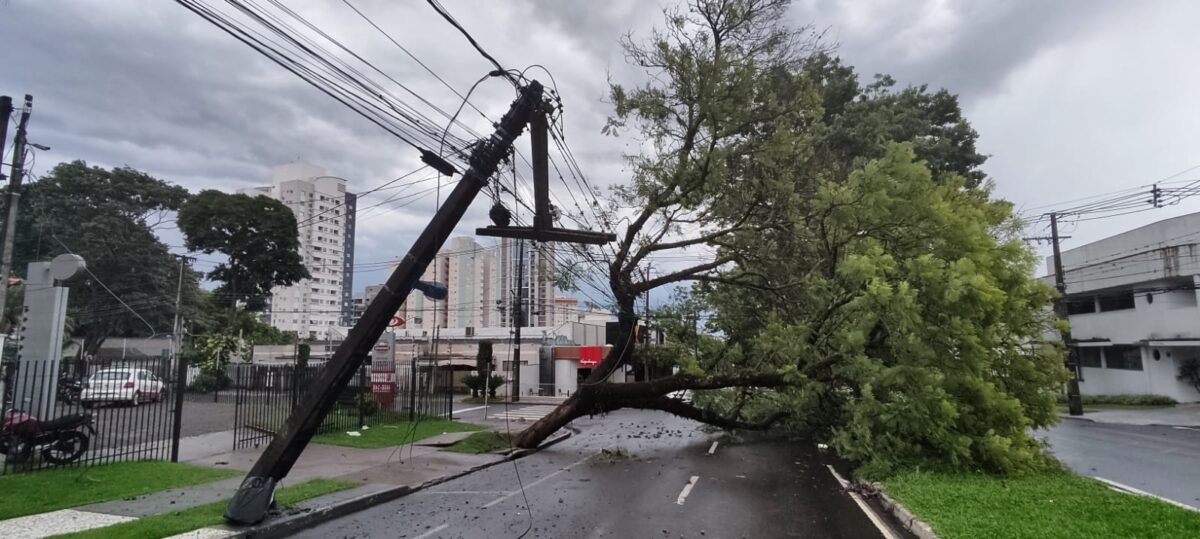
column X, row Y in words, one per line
column 250, row 503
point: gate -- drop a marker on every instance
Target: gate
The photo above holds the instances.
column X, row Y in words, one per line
column 265, row 396
column 131, row 403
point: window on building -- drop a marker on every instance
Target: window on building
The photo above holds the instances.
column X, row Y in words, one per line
column 1089, row 357
column 1081, row 305
column 1116, row 302
column 1123, row 357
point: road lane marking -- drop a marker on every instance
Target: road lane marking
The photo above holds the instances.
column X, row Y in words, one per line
column 462, row 492
column 472, row 409
column 687, row 489
column 539, row 481
column 1186, row 428
column 431, row 532
column 1138, row 492
column 712, row 449
column 883, row 528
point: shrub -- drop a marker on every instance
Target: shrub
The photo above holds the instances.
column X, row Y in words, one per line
column 474, row 382
column 1126, row 400
column 368, row 405
column 1189, row 371
column 495, row 383
column 210, row 380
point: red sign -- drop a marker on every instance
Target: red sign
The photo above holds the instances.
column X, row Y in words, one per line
column 590, row 356
column 396, row 322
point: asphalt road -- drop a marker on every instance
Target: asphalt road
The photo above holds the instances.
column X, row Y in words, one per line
column 1160, row 460
column 757, row 488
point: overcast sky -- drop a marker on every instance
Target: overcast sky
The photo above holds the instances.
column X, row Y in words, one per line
column 1071, row 98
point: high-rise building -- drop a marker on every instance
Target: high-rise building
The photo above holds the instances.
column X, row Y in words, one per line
column 325, row 216
column 481, row 282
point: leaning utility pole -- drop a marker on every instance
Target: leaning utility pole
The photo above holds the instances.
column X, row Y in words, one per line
column 518, row 321
column 1074, row 401
column 14, row 194
column 180, row 365
column 256, row 493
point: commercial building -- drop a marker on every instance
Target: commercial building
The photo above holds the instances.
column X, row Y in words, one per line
column 1133, row 307
column 324, row 212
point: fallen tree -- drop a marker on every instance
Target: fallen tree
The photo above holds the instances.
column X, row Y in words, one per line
column 873, row 299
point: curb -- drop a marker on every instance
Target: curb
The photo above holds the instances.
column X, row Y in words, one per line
column 287, row 525
column 1101, row 422
column 911, row 523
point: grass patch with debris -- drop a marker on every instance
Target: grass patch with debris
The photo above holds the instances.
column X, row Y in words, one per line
column 51, row 490
column 1050, row 505
column 482, row 442
column 212, row 514
column 393, row 434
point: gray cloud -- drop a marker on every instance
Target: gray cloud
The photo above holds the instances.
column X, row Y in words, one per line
column 150, row 85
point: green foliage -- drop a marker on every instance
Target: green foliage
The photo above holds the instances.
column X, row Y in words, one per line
column 388, row 434
column 303, row 351
column 208, row 381
column 108, row 217
column 907, row 325
column 474, row 382
column 257, row 234
column 1189, row 371
column 495, row 382
column 1125, row 400
column 859, row 121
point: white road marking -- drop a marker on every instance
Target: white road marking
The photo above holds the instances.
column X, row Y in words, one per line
column 461, row 492
column 1138, row 492
column 539, row 481
column 687, row 489
column 472, row 409
column 883, row 528
column 1186, row 428
column 712, row 449
column 431, row 532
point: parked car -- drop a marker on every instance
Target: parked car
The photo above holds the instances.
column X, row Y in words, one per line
column 129, row 386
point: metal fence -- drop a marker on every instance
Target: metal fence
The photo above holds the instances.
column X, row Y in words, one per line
column 69, row 413
column 378, row 394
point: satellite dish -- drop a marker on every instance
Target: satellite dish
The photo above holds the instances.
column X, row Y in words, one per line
column 67, row 267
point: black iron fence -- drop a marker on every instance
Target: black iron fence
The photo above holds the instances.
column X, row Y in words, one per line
column 62, row 413
column 265, row 396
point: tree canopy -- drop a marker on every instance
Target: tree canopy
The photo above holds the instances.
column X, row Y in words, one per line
column 257, row 234
column 864, row 287
column 108, row 217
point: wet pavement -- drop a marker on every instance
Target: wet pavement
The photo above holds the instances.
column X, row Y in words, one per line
column 1164, row 461
column 656, row 479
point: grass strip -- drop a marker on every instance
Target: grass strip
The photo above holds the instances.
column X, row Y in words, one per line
column 482, row 442
column 51, row 490
column 212, row 514
column 1042, row 506
column 393, row 434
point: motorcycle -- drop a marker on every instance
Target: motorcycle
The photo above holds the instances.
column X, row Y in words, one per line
column 69, row 390
column 61, row 440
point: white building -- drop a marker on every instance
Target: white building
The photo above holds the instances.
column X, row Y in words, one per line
column 1133, row 306
column 481, row 282
column 325, row 214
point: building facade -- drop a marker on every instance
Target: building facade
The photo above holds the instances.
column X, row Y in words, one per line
column 1133, row 302
column 324, row 212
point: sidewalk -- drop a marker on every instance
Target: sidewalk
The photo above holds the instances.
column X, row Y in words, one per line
column 376, row 470
column 1183, row 415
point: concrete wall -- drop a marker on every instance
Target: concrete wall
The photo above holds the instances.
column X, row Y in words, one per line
column 1157, row 377
column 1165, row 249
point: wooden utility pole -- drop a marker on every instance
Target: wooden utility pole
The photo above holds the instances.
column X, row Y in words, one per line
column 14, row 192
column 256, row 493
column 1074, row 401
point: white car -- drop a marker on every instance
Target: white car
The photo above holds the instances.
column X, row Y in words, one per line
column 132, row 386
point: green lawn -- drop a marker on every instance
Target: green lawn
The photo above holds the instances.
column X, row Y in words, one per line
column 1050, row 505
column 165, row 525
column 39, row 492
column 482, row 442
column 392, row 434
